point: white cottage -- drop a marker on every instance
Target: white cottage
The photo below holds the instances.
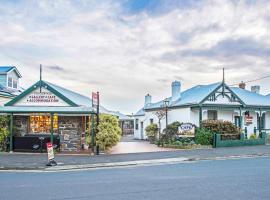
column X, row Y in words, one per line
column 246, row 109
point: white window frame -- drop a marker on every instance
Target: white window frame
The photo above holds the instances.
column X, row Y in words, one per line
column 9, row 77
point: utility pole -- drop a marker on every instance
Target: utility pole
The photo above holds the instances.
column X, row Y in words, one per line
column 223, row 82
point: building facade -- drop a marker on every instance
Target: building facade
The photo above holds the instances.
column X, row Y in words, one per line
column 9, row 83
column 246, row 109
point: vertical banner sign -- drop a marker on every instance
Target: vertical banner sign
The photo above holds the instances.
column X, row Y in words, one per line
column 50, row 151
column 95, row 100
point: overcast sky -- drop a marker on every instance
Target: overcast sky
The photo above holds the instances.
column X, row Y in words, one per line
column 126, row 49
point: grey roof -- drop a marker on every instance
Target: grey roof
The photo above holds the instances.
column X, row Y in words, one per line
column 190, row 96
column 251, row 98
column 82, row 100
column 75, row 97
column 197, row 94
column 84, row 104
column 140, row 112
column 120, row 115
column 6, row 69
column 9, row 92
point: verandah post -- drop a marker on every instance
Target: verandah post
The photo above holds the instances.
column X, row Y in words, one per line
column 200, row 116
column 11, row 133
column 52, row 115
column 240, row 120
column 92, row 133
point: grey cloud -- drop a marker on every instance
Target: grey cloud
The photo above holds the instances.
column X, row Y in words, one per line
column 56, row 68
column 231, row 48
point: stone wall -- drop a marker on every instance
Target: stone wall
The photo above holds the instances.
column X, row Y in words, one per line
column 70, row 129
column 20, row 125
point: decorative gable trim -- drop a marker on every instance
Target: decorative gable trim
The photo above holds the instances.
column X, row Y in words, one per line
column 233, row 97
column 34, row 87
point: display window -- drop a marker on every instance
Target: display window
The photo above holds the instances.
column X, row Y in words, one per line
column 42, row 123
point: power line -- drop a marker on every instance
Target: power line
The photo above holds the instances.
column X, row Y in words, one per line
column 253, row 80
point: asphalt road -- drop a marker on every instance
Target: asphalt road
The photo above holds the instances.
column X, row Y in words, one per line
column 218, row 179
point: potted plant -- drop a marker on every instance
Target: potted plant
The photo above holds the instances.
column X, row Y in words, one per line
column 87, row 142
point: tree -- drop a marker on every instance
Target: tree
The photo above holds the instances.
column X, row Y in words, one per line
column 4, row 133
column 160, row 115
column 109, row 132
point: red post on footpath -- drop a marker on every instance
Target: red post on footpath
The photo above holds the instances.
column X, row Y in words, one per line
column 95, row 105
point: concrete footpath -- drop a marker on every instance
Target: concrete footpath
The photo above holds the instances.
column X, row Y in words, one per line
column 36, row 161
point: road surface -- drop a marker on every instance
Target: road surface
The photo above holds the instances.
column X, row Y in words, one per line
column 217, row 179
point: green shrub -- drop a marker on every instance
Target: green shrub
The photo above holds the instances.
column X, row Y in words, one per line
column 4, row 133
column 204, row 136
column 253, row 136
column 170, row 133
column 109, row 132
column 151, row 130
column 221, row 127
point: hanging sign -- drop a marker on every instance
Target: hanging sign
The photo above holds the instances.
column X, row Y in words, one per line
column 50, row 151
column 186, row 130
column 248, row 119
column 95, row 101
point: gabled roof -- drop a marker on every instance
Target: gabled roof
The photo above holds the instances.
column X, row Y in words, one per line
column 194, row 95
column 78, row 103
column 198, row 94
column 60, row 92
column 251, row 98
column 76, row 98
column 6, row 69
column 140, row 112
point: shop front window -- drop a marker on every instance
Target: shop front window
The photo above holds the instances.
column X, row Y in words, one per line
column 42, row 124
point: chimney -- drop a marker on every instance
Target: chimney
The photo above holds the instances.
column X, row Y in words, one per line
column 242, row 85
column 255, row 89
column 147, row 99
column 176, row 90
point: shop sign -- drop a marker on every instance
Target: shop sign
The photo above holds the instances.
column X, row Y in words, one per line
column 186, row 130
column 95, row 101
column 43, row 98
column 248, row 119
column 50, row 151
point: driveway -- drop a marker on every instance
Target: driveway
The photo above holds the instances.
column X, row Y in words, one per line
column 129, row 145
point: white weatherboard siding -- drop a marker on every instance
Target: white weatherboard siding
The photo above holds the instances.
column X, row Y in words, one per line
column 180, row 114
column 225, row 115
column 194, row 117
column 137, row 132
column 267, row 121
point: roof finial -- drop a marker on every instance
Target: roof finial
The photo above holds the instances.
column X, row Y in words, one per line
column 223, row 78
column 223, row 82
column 40, row 77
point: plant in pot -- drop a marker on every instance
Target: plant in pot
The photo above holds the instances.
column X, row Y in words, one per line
column 151, row 132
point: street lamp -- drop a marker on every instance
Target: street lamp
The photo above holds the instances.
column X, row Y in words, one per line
column 166, row 104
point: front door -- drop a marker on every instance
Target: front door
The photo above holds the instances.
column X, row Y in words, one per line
column 142, row 130
column 237, row 121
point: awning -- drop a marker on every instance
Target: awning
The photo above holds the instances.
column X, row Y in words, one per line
column 47, row 109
